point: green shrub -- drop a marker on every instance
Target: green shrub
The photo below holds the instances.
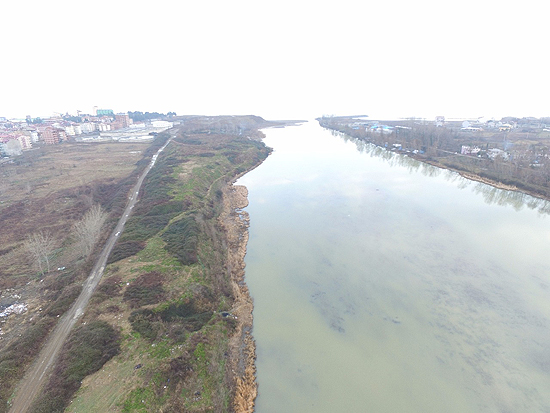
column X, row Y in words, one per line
column 112, row 196
column 157, row 143
column 125, row 249
column 189, row 141
column 146, row 289
column 87, row 349
column 175, row 319
column 141, row 228
column 187, row 314
column 197, row 321
column 109, row 288
column 181, row 239
column 173, row 207
column 145, row 322
column 177, row 310
column 64, row 301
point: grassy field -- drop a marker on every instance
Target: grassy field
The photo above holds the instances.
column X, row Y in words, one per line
column 166, row 289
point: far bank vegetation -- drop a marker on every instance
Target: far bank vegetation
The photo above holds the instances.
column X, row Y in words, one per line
column 516, row 157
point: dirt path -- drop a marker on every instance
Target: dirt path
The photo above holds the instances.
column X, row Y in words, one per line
column 36, row 376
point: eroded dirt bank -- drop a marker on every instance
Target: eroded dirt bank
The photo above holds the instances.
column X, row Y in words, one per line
column 242, row 347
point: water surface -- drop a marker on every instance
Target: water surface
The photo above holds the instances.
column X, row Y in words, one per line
column 382, row 284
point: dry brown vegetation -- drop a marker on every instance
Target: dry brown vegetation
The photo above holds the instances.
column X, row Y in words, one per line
column 47, row 191
column 145, row 289
column 50, row 189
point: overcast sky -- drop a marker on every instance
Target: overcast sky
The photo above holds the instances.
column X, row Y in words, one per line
column 277, row 59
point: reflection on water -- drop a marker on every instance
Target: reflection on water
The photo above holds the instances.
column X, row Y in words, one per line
column 382, row 284
column 491, row 195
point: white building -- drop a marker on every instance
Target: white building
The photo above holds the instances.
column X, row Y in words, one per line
column 87, row 127
column 468, row 150
column 69, row 130
column 32, row 134
column 161, row 124
column 498, row 153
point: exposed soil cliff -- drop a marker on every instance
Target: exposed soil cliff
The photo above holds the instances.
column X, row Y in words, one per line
column 241, row 345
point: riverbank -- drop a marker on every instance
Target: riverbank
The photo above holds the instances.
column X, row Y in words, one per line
column 242, row 349
column 477, row 178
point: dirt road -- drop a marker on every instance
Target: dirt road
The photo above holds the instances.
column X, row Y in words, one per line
column 33, row 380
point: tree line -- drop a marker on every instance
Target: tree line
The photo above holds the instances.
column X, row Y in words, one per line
column 141, row 116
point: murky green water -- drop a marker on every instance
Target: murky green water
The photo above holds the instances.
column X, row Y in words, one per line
column 382, row 284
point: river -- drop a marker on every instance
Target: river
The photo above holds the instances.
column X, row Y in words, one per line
column 382, row 284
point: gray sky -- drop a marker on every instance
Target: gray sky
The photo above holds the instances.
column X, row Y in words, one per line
column 278, row 59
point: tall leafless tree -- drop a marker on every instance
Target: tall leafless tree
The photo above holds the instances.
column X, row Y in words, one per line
column 88, row 229
column 41, row 246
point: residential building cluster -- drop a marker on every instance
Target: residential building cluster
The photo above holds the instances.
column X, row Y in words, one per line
column 481, row 124
column 17, row 135
column 491, row 153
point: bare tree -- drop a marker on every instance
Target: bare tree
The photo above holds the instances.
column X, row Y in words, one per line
column 40, row 245
column 88, row 229
column 13, row 147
